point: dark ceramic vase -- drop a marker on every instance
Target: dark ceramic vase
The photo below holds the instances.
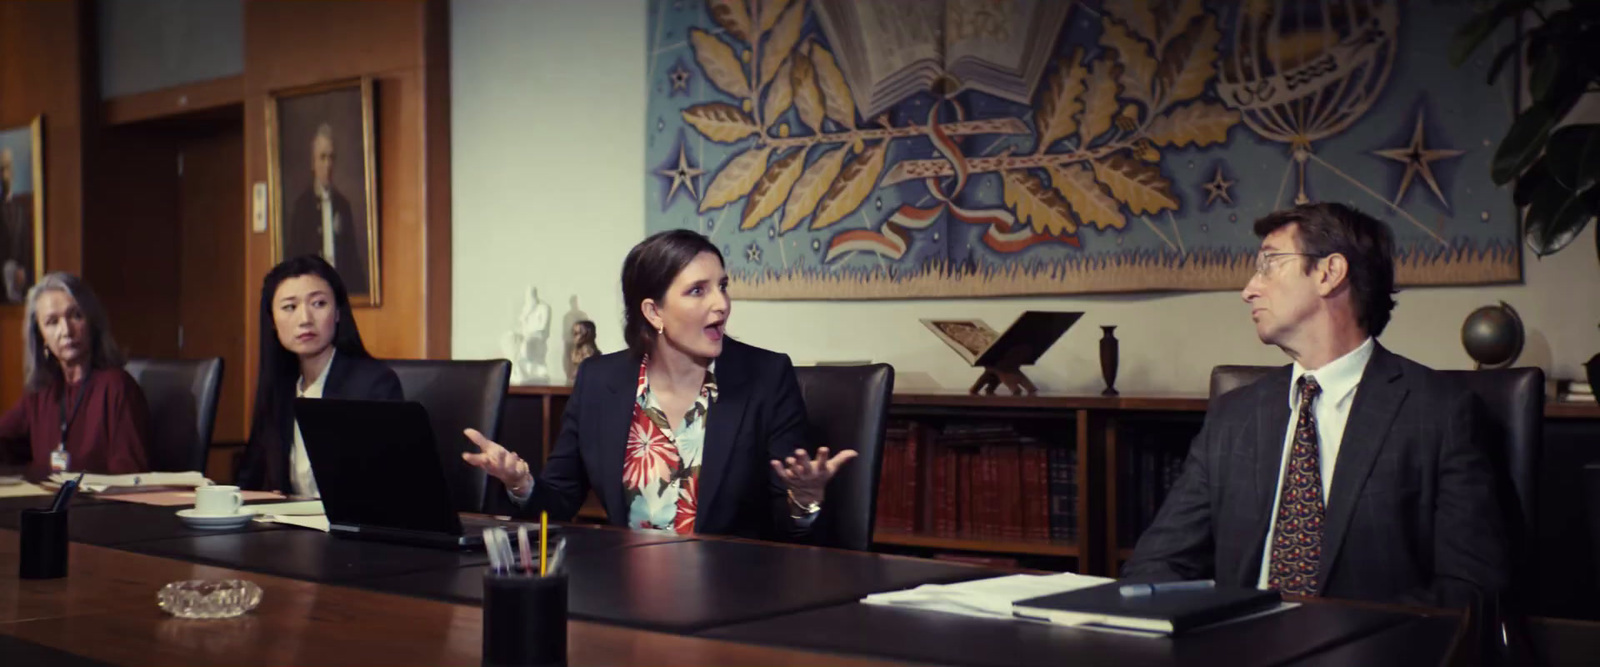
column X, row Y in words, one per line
column 1108, row 360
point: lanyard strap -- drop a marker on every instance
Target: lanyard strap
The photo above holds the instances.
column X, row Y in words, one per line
column 67, row 417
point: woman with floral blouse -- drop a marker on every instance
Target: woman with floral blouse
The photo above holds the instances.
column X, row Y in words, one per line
column 687, row 430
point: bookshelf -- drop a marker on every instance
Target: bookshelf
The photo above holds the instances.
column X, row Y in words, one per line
column 1122, row 449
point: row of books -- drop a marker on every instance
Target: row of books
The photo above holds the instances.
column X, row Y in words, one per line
column 982, row 480
column 1148, row 464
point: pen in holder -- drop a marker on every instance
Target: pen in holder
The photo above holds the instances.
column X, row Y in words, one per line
column 43, row 544
column 524, row 620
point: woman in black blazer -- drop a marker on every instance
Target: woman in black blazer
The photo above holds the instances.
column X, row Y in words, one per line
column 309, row 348
column 686, row 430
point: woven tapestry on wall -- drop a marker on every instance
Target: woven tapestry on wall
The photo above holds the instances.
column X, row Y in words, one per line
column 861, row 149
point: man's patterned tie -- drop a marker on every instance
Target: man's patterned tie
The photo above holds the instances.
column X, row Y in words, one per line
column 1297, row 530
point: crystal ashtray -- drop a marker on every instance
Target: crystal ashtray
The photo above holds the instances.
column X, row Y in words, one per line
column 208, row 599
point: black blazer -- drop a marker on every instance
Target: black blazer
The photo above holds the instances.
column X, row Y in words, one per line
column 759, row 415
column 1411, row 514
column 266, row 457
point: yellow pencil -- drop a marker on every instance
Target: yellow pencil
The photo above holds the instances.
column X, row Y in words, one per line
column 544, row 539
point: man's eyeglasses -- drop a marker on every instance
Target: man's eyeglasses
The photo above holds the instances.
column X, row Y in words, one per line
column 1264, row 259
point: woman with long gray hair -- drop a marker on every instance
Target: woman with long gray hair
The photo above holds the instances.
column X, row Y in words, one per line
column 81, row 411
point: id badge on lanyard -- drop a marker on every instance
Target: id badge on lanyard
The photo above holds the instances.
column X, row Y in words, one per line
column 60, row 460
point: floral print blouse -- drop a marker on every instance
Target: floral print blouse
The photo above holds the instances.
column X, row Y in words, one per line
column 661, row 469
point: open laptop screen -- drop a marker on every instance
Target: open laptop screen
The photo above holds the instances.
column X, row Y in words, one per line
column 376, row 465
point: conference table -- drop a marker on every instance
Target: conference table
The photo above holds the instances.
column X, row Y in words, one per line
column 634, row 598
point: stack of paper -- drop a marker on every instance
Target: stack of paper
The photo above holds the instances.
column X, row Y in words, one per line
column 98, row 483
column 14, row 486
column 984, row 598
column 303, row 513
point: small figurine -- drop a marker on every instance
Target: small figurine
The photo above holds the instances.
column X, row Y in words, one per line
column 583, row 347
column 524, row 344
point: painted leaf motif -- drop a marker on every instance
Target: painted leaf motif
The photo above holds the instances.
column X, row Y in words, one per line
column 1100, row 100
column 1189, row 62
column 732, row 16
column 807, row 98
column 1198, row 123
column 722, row 123
column 1139, row 185
column 1088, row 199
column 1136, row 14
column 809, row 189
column 770, row 10
column 780, row 96
column 855, row 182
column 1184, row 13
column 1036, row 204
column 736, row 178
column 720, row 65
column 782, row 40
column 835, row 92
column 1138, row 67
column 1060, row 104
column 773, row 188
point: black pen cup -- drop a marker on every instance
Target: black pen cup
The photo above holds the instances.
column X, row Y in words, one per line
column 43, row 543
column 524, row 620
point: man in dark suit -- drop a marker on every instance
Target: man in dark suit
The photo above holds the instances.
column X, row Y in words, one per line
column 321, row 222
column 1351, row 473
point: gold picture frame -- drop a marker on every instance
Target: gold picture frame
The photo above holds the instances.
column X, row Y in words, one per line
column 305, row 125
column 21, row 243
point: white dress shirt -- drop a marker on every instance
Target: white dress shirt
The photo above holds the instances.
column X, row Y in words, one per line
column 1331, row 409
column 325, row 202
column 301, row 481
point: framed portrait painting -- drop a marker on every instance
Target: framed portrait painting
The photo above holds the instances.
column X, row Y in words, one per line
column 322, row 175
column 21, row 209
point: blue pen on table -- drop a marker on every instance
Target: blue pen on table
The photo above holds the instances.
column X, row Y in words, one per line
column 64, row 495
column 1140, row 590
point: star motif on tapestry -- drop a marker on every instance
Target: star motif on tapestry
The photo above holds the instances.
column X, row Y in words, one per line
column 1217, row 188
column 753, row 253
column 1418, row 158
column 679, row 76
column 683, row 174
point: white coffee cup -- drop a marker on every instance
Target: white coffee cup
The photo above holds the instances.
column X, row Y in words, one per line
column 217, row 500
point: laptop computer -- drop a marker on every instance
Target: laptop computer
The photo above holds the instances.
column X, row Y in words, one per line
column 379, row 473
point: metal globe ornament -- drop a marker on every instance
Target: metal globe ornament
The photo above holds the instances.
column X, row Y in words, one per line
column 1493, row 336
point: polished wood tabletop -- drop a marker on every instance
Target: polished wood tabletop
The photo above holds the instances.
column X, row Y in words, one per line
column 105, row 610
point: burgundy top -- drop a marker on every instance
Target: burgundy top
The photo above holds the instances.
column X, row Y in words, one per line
column 107, row 435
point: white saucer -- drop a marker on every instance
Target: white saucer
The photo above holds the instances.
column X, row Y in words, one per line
column 216, row 521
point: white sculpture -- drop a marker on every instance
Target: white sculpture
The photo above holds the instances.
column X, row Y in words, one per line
column 524, row 345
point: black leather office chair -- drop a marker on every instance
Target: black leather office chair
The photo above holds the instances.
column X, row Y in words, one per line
column 182, row 397
column 847, row 407
column 1513, row 402
column 458, row 395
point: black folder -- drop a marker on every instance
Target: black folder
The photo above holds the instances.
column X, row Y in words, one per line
column 1166, row 612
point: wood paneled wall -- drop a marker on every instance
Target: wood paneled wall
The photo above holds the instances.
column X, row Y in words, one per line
column 404, row 47
column 46, row 49
column 47, row 66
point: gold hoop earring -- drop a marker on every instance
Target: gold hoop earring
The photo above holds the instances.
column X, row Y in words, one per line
column 661, row 331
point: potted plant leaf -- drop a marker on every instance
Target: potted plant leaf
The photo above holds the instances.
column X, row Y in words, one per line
column 1554, row 161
